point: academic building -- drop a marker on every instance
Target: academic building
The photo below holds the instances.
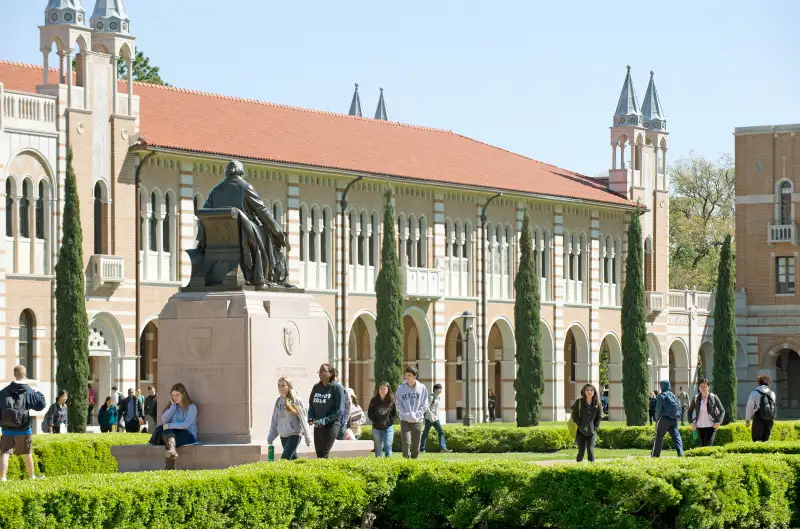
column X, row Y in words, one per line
column 459, row 205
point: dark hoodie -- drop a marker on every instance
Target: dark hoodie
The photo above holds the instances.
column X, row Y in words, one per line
column 34, row 401
column 381, row 414
column 661, row 399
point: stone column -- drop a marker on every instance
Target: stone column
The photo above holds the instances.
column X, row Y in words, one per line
column 595, row 338
column 554, row 398
column 340, row 237
column 292, row 226
column 186, row 221
column 145, row 211
column 160, row 215
column 438, row 373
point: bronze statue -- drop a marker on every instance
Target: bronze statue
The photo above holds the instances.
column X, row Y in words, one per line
column 238, row 238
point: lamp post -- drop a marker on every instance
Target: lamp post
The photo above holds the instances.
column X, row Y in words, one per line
column 467, row 315
column 485, row 298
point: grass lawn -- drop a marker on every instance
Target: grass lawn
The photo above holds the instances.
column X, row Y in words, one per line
column 567, row 454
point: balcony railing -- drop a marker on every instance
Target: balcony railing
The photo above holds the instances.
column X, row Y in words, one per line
column 106, row 269
column 421, row 282
column 687, row 299
column 782, row 233
column 655, row 301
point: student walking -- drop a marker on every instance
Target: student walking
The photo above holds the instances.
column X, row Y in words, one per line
column 179, row 423
column 587, row 414
column 151, row 409
column 492, row 406
column 107, row 416
column 412, row 403
column 652, row 407
column 356, row 418
column 56, row 416
column 131, row 413
column 16, row 402
column 761, row 410
column 289, row 420
column 706, row 414
column 382, row 412
column 432, row 420
column 668, row 411
column 326, row 410
column 92, row 401
column 684, row 398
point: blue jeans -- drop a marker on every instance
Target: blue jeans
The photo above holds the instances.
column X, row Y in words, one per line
column 290, row 444
column 383, row 441
column 437, row 425
column 667, row 425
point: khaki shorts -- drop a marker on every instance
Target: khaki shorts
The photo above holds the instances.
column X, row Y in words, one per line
column 19, row 443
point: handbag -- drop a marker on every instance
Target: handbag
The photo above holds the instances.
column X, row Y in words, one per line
column 158, row 436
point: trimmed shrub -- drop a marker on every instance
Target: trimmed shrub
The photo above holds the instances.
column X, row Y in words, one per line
column 747, row 447
column 58, row 455
column 736, row 491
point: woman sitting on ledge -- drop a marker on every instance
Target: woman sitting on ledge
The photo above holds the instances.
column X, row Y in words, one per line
column 179, row 423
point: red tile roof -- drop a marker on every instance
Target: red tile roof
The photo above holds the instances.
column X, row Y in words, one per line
column 227, row 126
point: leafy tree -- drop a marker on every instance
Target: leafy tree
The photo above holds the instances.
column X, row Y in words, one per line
column 634, row 332
column 142, row 70
column 389, row 296
column 701, row 216
column 529, row 383
column 72, row 324
column 725, row 334
column 605, row 359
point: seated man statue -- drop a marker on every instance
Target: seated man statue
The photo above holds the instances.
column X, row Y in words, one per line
column 263, row 241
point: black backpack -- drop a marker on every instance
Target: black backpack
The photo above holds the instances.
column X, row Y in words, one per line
column 766, row 408
column 15, row 413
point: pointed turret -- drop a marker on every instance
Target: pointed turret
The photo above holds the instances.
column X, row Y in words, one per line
column 652, row 113
column 109, row 16
column 380, row 112
column 65, row 12
column 627, row 112
column 355, row 105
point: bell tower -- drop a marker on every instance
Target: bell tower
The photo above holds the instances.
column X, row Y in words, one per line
column 627, row 140
column 111, row 28
column 65, row 26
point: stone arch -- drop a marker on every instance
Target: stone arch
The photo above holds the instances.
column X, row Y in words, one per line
column 456, row 354
column 576, row 362
column 784, row 368
column 654, row 366
column 148, row 353
column 705, row 362
column 361, row 352
column 680, row 374
column 616, row 408
column 502, row 369
column 106, row 355
column 27, row 353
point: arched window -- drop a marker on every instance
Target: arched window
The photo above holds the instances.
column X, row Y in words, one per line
column 326, row 235
column 153, row 223
column 27, row 324
column 786, row 203
column 648, row 264
column 9, row 210
column 40, row 212
column 313, row 235
column 24, row 206
column 166, row 225
column 98, row 219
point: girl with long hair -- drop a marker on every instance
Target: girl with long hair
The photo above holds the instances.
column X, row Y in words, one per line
column 586, row 413
column 179, row 422
column 382, row 412
column 107, row 416
column 289, row 420
column 56, row 416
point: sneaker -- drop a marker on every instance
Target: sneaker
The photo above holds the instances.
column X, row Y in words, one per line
column 445, row 451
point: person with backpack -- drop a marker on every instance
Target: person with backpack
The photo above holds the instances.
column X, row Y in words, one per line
column 668, row 412
column 16, row 402
column 289, row 420
column 587, row 413
column 326, row 410
column 761, row 410
column 382, row 412
column 107, row 416
column 432, row 421
column 356, row 418
column 706, row 414
column 131, row 411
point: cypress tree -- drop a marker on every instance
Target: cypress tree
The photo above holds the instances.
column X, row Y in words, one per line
column 72, row 324
column 529, row 382
column 634, row 331
column 389, row 319
column 724, row 375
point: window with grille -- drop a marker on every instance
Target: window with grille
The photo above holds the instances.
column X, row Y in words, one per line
column 784, row 272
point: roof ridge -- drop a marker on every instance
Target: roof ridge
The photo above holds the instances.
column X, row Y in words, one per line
column 252, row 101
column 582, row 176
column 288, row 107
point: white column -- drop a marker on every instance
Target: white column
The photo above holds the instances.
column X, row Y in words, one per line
column 145, row 237
column 130, row 85
column 187, row 219
column 46, row 56
column 114, row 88
column 68, row 74
column 554, row 391
column 160, row 214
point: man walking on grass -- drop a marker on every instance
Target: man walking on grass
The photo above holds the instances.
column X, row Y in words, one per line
column 684, row 404
column 668, row 411
column 432, row 421
column 16, row 401
column 412, row 403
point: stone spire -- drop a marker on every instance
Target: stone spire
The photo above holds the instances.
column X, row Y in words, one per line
column 652, row 113
column 627, row 112
column 109, row 16
column 380, row 112
column 355, row 105
column 65, row 12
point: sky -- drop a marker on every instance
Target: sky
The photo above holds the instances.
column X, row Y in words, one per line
column 538, row 78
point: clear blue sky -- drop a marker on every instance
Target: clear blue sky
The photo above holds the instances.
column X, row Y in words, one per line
column 538, row 78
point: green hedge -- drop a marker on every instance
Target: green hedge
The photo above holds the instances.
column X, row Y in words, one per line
column 550, row 438
column 748, row 447
column 736, row 491
column 58, row 455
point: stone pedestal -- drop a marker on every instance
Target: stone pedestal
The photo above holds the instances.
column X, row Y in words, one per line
column 230, row 348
